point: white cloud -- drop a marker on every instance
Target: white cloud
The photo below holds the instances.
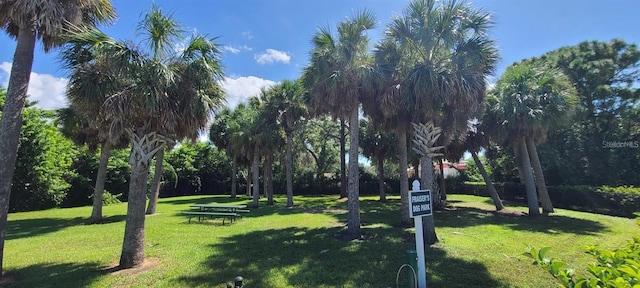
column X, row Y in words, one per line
column 240, row 89
column 236, row 49
column 47, row 89
column 271, row 56
column 247, row 34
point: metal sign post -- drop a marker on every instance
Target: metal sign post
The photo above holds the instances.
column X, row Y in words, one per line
column 419, row 206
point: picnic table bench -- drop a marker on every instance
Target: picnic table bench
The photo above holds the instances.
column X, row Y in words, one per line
column 207, row 214
column 224, row 211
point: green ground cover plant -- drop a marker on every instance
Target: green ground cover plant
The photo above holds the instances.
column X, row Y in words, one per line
column 275, row 246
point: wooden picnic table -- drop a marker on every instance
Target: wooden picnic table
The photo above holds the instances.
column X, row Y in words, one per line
column 220, row 207
column 223, row 211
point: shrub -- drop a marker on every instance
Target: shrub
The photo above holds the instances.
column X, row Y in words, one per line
column 617, row 268
column 108, row 198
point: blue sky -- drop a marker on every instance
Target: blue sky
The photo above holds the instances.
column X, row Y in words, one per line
column 267, row 41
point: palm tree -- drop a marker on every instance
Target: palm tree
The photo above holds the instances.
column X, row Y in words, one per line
column 268, row 138
column 435, row 60
column 334, row 80
column 377, row 145
column 156, row 100
column 74, row 124
column 244, row 131
column 383, row 105
column 476, row 140
column 28, row 21
column 286, row 101
column 532, row 98
column 219, row 135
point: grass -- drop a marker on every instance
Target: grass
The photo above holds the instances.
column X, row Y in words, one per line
column 297, row 247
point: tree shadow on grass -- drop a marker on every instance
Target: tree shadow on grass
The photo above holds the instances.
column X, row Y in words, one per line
column 25, row 228
column 205, row 199
column 553, row 224
column 303, row 257
column 52, row 275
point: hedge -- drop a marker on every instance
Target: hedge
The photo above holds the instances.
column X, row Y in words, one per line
column 616, row 201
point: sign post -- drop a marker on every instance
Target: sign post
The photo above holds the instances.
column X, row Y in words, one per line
column 419, row 206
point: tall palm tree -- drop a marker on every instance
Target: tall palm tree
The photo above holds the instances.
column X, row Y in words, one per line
column 269, row 138
column 532, row 98
column 219, row 135
column 442, row 56
column 334, row 80
column 476, row 139
column 383, row 105
column 245, row 136
column 27, row 21
column 287, row 103
column 156, row 100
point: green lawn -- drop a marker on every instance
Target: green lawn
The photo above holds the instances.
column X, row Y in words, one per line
column 297, row 247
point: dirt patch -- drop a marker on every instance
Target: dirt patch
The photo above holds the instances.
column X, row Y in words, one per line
column 148, row 264
column 506, row 212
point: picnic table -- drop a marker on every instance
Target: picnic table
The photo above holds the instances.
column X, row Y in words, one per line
column 224, row 211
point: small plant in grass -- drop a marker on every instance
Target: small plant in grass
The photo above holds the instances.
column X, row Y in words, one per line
column 108, row 198
column 617, row 268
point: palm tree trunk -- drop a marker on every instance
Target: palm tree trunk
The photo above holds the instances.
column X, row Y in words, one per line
column 492, row 189
column 143, row 150
column 256, row 175
column 381, row 188
column 343, row 161
column 265, row 175
column 11, row 120
column 443, row 186
column 543, row 193
column 249, row 176
column 518, row 159
column 289, row 169
column 532, row 196
column 428, row 182
column 133, row 245
column 427, row 174
column 155, row 184
column 404, row 177
column 234, row 176
column 268, row 167
column 98, row 191
column 353, row 202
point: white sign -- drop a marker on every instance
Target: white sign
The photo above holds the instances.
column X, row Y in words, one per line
column 420, row 205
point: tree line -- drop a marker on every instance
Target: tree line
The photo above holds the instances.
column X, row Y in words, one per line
column 546, row 119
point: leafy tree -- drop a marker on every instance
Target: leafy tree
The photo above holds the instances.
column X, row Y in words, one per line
column 154, row 100
column 195, row 168
column 318, row 142
column 27, row 21
column 605, row 75
column 43, row 162
column 334, row 79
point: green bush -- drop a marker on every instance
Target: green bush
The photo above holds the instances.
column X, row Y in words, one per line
column 617, row 268
column 108, row 198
